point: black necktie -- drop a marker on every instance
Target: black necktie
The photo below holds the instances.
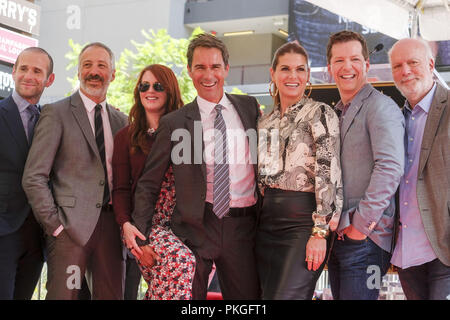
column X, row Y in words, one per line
column 100, row 140
column 34, row 117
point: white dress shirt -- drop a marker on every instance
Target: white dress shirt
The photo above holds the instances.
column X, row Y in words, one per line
column 108, row 137
column 242, row 175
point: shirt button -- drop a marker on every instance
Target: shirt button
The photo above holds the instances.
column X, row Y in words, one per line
column 404, row 226
column 411, row 139
column 413, row 118
column 410, row 160
column 406, row 203
column 407, row 181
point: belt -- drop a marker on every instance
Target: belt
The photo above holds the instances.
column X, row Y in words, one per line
column 236, row 212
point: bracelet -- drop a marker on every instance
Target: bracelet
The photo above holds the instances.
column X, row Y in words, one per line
column 319, row 232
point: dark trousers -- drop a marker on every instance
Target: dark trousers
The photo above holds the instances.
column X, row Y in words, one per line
column 132, row 279
column 101, row 260
column 230, row 244
column 356, row 268
column 21, row 261
column 429, row 281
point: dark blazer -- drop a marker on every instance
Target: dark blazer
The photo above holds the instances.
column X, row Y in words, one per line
column 190, row 178
column 433, row 185
column 127, row 168
column 14, row 207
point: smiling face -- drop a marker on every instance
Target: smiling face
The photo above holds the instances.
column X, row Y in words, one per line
column 348, row 68
column 208, row 73
column 95, row 73
column 30, row 75
column 152, row 100
column 290, row 76
column 412, row 69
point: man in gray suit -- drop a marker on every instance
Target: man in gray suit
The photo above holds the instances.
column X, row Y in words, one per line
column 422, row 251
column 68, row 180
column 372, row 159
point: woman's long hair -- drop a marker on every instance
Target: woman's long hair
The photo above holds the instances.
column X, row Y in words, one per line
column 137, row 118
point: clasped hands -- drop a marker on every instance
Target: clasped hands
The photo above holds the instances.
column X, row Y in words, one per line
column 145, row 254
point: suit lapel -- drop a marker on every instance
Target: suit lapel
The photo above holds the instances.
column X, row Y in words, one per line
column 80, row 114
column 436, row 110
column 353, row 110
column 13, row 121
column 114, row 120
column 196, row 133
column 240, row 109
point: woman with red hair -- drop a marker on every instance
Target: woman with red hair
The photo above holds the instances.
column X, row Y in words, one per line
column 156, row 93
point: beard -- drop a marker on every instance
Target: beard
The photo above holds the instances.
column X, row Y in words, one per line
column 98, row 91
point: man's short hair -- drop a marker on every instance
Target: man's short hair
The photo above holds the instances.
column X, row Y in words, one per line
column 38, row 50
column 101, row 45
column 346, row 36
column 206, row 40
column 425, row 43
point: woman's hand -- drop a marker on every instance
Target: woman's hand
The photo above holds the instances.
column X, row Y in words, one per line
column 130, row 233
column 316, row 249
column 148, row 257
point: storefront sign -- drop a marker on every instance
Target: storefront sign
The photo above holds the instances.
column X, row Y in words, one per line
column 6, row 81
column 21, row 14
column 11, row 44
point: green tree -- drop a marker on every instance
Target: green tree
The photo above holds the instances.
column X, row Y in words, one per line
column 159, row 47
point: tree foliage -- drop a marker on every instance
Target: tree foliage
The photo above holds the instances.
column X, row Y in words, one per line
column 158, row 47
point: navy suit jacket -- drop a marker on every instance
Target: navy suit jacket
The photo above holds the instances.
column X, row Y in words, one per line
column 14, row 207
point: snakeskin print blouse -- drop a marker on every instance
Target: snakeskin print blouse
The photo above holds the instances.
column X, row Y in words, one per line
column 301, row 152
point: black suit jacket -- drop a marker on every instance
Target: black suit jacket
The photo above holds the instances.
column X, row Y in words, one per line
column 14, row 207
column 190, row 177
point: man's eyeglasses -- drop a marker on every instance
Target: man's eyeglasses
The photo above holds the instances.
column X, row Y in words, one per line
column 144, row 86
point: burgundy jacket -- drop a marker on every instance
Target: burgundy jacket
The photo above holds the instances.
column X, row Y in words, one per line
column 127, row 169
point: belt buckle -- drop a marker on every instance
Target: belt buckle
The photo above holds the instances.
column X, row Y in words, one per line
column 228, row 214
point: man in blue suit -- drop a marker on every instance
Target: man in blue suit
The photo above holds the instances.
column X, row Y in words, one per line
column 21, row 242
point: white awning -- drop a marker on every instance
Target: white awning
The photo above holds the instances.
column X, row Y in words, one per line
column 396, row 18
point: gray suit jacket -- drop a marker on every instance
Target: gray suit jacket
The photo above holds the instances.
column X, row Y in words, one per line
column 64, row 153
column 372, row 159
column 433, row 185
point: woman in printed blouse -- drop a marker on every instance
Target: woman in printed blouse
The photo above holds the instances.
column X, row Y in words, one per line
column 156, row 93
column 300, row 178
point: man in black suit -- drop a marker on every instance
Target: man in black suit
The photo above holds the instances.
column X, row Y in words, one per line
column 21, row 250
column 216, row 208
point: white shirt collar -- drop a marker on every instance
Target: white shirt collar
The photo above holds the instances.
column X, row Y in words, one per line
column 207, row 107
column 89, row 104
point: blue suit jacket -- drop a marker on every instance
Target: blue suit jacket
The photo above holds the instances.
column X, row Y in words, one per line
column 14, row 207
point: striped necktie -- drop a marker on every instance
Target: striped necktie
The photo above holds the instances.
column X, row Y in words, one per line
column 100, row 140
column 221, row 189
